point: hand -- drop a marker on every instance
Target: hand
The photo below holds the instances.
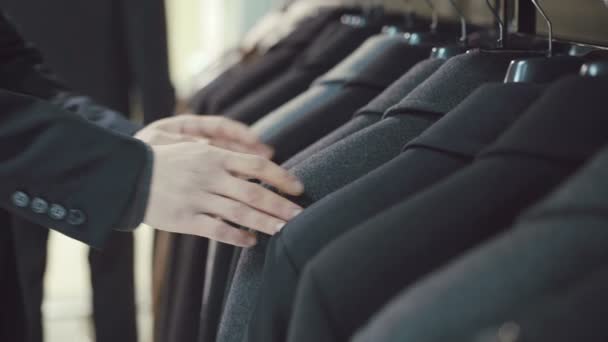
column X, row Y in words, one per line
column 215, row 130
column 195, row 186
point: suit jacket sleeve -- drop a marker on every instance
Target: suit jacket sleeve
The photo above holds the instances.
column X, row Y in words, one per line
column 22, row 71
column 86, row 180
column 57, row 169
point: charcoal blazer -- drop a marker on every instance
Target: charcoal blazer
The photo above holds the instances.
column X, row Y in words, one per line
column 440, row 151
column 543, row 276
column 336, row 96
column 364, row 151
column 553, row 138
column 373, row 111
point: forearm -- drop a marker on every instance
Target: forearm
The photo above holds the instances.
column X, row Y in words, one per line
column 95, row 113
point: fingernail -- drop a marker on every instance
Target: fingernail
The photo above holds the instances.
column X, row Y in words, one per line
column 298, row 186
column 280, row 226
column 265, row 150
column 251, row 242
column 296, row 212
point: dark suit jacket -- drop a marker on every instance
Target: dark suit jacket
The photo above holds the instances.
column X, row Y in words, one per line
column 89, row 179
column 49, row 153
column 408, row 241
column 546, row 275
column 439, row 152
column 124, row 39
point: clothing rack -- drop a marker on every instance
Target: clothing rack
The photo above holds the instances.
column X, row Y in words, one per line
column 577, row 22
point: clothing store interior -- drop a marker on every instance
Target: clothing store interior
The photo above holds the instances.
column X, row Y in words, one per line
column 452, row 154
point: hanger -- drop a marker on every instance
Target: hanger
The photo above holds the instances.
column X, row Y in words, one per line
column 497, row 41
column 431, row 36
column 447, row 51
column 370, row 14
column 502, row 33
column 546, row 68
column 595, row 68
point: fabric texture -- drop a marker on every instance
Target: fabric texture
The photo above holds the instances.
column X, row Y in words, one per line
column 373, row 111
column 441, row 150
column 359, row 154
column 424, row 232
column 333, row 99
column 528, row 277
column 331, row 46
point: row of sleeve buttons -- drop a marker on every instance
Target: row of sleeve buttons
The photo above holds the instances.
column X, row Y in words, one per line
column 55, row 211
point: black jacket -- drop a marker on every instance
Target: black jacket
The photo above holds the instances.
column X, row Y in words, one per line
column 108, row 49
column 406, row 242
column 90, row 179
column 439, row 152
column 545, row 277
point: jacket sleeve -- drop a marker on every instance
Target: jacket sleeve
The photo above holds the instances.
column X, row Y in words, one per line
column 60, row 171
column 22, row 71
column 57, row 169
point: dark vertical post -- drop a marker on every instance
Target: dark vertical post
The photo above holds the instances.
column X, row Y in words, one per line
column 506, row 18
column 526, row 17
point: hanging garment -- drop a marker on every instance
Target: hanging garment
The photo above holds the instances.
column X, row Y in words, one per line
column 576, row 313
column 331, row 46
column 369, row 148
column 222, row 92
column 523, row 276
column 552, row 139
column 212, row 307
column 217, row 273
column 444, row 148
column 222, row 256
column 362, row 152
column 268, row 31
column 182, row 290
column 247, row 76
column 334, row 97
column 373, row 111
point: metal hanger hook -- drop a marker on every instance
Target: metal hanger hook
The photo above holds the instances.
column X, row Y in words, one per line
column 434, row 15
column 501, row 24
column 540, row 10
column 463, row 22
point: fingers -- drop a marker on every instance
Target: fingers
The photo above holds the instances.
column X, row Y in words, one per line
column 221, row 127
column 164, row 138
column 221, row 132
column 243, row 215
column 264, row 170
column 258, row 197
column 224, row 132
column 208, row 227
column 260, row 149
column 239, row 136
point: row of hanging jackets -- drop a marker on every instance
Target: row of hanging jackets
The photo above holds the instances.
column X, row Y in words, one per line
column 454, row 190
